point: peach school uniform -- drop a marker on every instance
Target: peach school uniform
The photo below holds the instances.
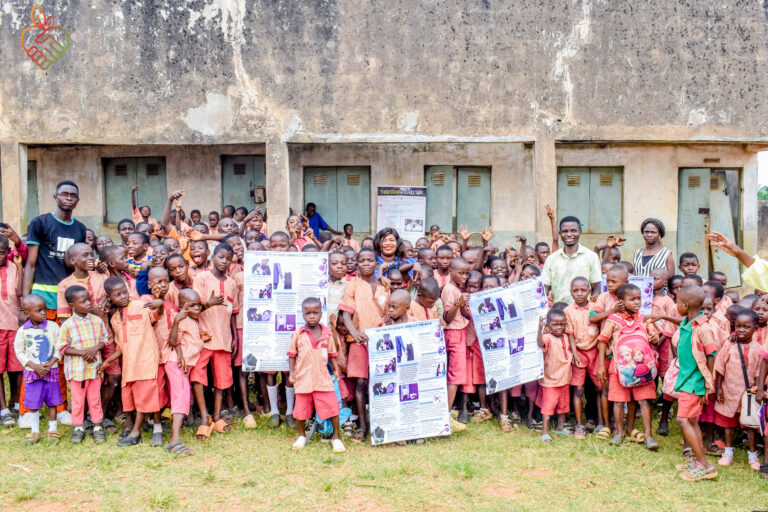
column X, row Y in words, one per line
column 555, row 385
column 664, row 305
column 9, row 318
column 313, row 384
column 693, row 342
column 584, row 334
column 728, row 365
column 455, row 337
column 363, row 303
column 94, row 283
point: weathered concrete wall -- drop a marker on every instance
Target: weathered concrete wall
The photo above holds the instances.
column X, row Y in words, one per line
column 762, row 229
column 216, row 71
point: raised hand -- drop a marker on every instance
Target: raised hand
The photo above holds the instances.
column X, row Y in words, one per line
column 487, row 234
column 550, row 211
column 464, row 233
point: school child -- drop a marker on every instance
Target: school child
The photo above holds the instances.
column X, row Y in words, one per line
column 454, row 298
column 80, row 258
column 717, row 293
column 733, row 295
column 238, row 248
column 736, row 366
column 337, row 271
column 444, row 256
column 761, row 308
column 663, row 305
column 607, row 304
column 348, row 240
column 674, row 283
column 542, row 251
column 249, row 421
column 218, row 321
column 351, row 255
column 361, row 309
column 142, row 213
column 198, row 254
column 424, row 306
column 311, row 349
column 178, row 271
column 427, row 257
column 582, row 336
column 394, row 279
column 124, row 228
column 115, row 257
column 10, row 292
column 688, row 264
column 187, row 342
column 692, row 280
column 35, row 348
column 137, row 345
column 497, row 267
column 555, row 389
column 627, row 325
column 475, row 368
column 213, row 222
column 81, row 339
column 101, row 242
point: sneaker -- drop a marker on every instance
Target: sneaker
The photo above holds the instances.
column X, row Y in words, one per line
column 546, row 438
column 699, row 472
column 300, row 443
column 78, row 434
column 64, row 418
column 274, row 421
column 482, row 415
column 99, row 435
column 7, row 420
column 457, row 426
column 338, row 446
column 156, row 439
column 129, row 441
column 25, row 420
column 651, row 444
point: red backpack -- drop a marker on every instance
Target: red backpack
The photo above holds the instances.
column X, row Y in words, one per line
column 634, row 360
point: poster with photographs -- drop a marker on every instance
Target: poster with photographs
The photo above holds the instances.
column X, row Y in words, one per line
column 406, row 387
column 646, row 291
column 274, row 286
column 506, row 321
column 402, row 208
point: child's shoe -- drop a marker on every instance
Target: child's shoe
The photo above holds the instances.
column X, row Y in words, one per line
column 53, row 437
column 7, row 420
column 504, row 424
column 274, row 421
column 249, row 422
column 290, row 421
column 482, row 415
column 338, row 446
column 699, row 472
column 99, row 435
column 546, row 438
column 463, row 417
column 662, row 429
column 300, row 443
column 25, row 420
column 616, row 440
column 725, row 460
column 78, row 434
column 31, row 438
column 651, row 444
column 457, row 426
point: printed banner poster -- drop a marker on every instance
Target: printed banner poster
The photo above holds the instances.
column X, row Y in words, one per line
column 646, row 292
column 407, row 389
column 274, row 286
column 402, row 208
column 507, row 321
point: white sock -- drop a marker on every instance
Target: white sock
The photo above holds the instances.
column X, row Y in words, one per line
column 5, row 411
column 728, row 451
column 158, row 428
column 34, row 422
column 752, row 456
column 16, row 407
column 53, row 426
column 290, row 397
column 272, row 392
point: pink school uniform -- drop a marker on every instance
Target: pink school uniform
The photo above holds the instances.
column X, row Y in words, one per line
column 728, row 365
column 363, row 304
column 455, row 337
column 555, row 385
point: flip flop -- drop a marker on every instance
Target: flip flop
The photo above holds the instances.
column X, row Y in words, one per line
column 178, row 449
column 636, row 436
column 221, row 426
column 563, row 432
column 603, row 433
column 204, row 431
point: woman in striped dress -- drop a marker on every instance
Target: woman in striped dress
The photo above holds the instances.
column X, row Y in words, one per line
column 654, row 255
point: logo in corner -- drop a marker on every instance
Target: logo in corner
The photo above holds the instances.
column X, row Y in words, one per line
column 44, row 42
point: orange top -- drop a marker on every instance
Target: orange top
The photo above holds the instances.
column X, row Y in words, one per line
column 728, row 364
column 134, row 335
column 557, row 361
column 195, row 271
column 9, row 301
column 238, row 277
column 724, row 304
column 173, row 292
column 216, row 320
column 94, row 283
column 354, row 244
column 420, row 313
column 152, row 222
column 450, row 296
column 311, row 367
column 720, row 320
column 577, row 324
column 442, row 280
column 363, row 303
column 664, row 305
column 606, row 301
column 190, row 341
column 162, row 327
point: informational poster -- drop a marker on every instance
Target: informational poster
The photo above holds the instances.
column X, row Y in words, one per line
column 407, row 390
column 646, row 292
column 403, row 208
column 507, row 322
column 274, row 286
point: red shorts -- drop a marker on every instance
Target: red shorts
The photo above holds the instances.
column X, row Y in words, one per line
column 664, row 356
column 475, row 368
column 8, row 361
column 456, row 345
column 589, row 359
column 324, row 402
column 708, row 411
column 555, row 400
column 239, row 357
column 619, row 393
column 222, row 368
column 141, row 396
column 725, row 421
column 688, row 405
column 162, row 393
column 357, row 361
column 114, row 366
column 531, row 388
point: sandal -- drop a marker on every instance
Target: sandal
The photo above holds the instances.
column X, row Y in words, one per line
column 602, row 432
column 178, row 449
column 563, row 432
column 204, row 431
column 713, row 449
column 580, row 432
column 590, row 426
column 725, row 460
column 53, row 437
column 616, row 440
column 358, row 436
column 109, row 426
column 636, row 436
column 504, row 424
column 763, row 471
column 546, row 438
column 31, row 438
column 221, row 426
column 348, row 428
column 699, row 472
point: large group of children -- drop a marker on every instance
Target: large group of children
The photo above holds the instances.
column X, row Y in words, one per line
column 158, row 316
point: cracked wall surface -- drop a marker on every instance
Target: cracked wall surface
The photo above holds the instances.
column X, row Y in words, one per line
column 229, row 71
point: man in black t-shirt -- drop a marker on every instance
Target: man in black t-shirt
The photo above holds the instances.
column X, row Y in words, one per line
column 49, row 236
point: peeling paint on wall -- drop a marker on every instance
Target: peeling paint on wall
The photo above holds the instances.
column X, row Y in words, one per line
column 213, row 117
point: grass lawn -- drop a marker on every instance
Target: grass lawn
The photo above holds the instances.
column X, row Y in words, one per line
column 479, row 469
